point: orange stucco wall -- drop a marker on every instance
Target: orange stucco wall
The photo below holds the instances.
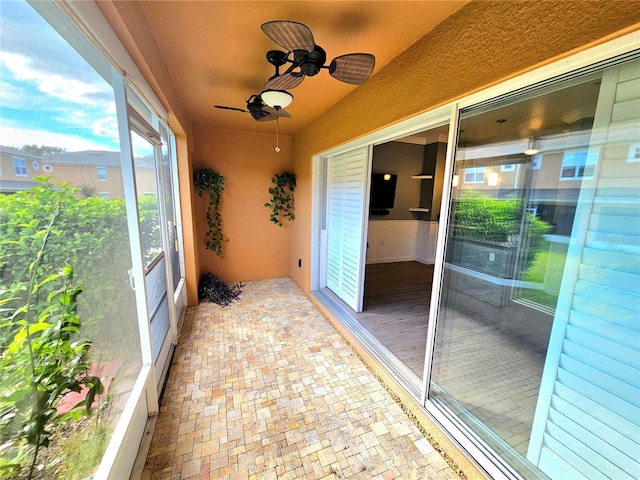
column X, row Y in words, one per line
column 482, row 44
column 256, row 247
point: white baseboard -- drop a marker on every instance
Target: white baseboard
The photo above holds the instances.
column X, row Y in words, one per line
column 425, row 261
column 389, row 260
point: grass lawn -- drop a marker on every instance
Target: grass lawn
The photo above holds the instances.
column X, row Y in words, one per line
column 538, row 270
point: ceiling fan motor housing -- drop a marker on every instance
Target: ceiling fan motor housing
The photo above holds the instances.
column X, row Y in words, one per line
column 254, row 105
column 310, row 62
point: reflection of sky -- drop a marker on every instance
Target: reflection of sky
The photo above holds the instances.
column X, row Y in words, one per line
column 49, row 95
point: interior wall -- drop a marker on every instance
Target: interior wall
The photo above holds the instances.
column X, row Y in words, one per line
column 256, row 247
column 404, row 160
column 484, row 43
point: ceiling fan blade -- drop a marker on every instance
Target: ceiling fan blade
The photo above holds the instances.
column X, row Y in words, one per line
column 289, row 35
column 276, row 113
column 231, row 108
column 354, row 68
column 286, row 81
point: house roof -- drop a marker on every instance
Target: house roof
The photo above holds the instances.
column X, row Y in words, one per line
column 84, row 157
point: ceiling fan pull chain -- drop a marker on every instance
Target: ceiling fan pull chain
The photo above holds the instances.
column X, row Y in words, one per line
column 277, row 135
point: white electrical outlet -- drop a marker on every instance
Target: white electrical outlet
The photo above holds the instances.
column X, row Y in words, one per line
column 492, row 257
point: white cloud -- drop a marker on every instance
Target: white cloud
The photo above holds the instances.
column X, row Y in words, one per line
column 16, row 137
column 105, row 127
column 54, row 84
column 9, row 94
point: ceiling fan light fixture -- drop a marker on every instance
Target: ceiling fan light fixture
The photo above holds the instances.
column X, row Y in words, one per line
column 277, row 98
column 532, row 147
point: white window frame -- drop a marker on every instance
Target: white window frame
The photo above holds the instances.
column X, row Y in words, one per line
column 478, row 173
column 102, row 174
column 634, row 153
column 509, row 167
column 20, row 167
column 578, row 159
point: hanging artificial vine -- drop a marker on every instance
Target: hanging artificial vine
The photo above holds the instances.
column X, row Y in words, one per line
column 207, row 180
column 281, row 203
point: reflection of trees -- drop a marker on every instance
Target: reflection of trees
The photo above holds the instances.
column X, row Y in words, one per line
column 40, row 150
column 479, row 216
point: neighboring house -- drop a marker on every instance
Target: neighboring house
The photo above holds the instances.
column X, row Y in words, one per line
column 96, row 172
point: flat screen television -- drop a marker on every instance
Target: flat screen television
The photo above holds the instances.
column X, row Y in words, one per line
column 383, row 192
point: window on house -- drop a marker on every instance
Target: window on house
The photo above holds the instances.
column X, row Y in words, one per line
column 102, row 174
column 509, row 167
column 104, row 195
column 634, row 153
column 536, row 162
column 578, row 164
column 474, row 175
column 20, row 167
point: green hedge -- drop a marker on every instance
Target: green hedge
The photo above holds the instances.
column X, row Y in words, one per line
column 89, row 233
column 479, row 216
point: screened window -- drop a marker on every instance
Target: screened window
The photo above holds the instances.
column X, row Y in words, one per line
column 64, row 101
column 19, row 167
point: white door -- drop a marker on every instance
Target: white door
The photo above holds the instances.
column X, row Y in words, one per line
column 154, row 239
column 347, row 199
column 174, row 229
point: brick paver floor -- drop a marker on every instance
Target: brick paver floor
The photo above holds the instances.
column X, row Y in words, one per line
column 267, row 389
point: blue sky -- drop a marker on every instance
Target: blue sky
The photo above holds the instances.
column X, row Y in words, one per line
column 49, row 95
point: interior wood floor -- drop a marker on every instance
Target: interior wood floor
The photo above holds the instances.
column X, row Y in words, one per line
column 396, row 309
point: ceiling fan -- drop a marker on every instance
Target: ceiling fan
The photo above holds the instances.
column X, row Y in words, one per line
column 309, row 58
column 259, row 110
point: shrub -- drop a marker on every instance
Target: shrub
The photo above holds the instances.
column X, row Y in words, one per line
column 91, row 234
column 43, row 358
column 478, row 216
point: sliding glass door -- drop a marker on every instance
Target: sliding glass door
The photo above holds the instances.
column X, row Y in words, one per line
column 537, row 344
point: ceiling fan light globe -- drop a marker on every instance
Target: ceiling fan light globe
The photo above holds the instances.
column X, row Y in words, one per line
column 277, row 98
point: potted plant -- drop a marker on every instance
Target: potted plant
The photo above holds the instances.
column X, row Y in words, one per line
column 207, row 180
column 281, row 203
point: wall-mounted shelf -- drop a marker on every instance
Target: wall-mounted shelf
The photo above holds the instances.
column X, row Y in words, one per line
column 419, row 210
column 422, row 177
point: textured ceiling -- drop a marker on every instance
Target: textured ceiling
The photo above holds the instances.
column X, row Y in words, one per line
column 215, row 50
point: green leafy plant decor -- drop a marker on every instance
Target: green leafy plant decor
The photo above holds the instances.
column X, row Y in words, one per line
column 43, row 359
column 207, row 180
column 281, row 203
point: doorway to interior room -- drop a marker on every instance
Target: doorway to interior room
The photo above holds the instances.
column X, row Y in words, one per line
column 404, row 209
column 376, row 245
